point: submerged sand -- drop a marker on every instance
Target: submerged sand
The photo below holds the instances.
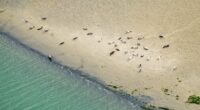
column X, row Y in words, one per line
column 119, row 42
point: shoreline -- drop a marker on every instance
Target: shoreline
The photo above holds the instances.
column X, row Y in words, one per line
column 52, row 77
column 80, row 74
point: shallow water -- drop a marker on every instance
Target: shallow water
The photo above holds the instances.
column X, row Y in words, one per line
column 28, row 81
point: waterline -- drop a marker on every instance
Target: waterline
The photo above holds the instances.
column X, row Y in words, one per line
column 31, row 81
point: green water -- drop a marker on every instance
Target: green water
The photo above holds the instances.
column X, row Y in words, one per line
column 30, row 82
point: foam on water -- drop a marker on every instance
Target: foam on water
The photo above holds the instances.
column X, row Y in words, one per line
column 29, row 82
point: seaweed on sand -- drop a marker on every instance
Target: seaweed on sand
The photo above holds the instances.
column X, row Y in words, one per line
column 152, row 107
column 194, row 99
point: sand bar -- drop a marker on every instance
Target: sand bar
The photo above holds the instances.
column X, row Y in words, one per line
column 146, row 48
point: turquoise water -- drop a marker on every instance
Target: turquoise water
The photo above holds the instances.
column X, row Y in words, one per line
column 28, row 81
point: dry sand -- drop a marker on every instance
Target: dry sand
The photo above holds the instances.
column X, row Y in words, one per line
column 96, row 27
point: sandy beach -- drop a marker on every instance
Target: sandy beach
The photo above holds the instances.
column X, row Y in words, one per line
column 144, row 48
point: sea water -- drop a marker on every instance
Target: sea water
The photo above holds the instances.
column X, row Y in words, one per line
column 28, row 81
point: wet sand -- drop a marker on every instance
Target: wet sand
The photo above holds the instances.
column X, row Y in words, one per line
column 143, row 47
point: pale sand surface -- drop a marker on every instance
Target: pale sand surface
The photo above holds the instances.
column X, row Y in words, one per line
column 175, row 68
